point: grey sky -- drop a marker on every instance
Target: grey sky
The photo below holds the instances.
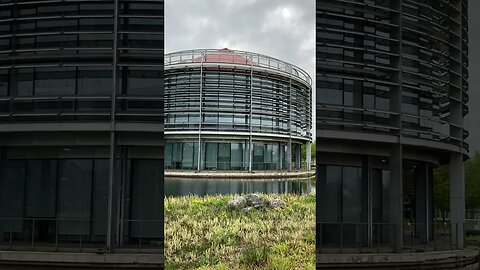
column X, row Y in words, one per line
column 283, row 29
column 473, row 120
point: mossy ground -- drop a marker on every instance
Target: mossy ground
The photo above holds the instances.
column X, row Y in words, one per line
column 201, row 234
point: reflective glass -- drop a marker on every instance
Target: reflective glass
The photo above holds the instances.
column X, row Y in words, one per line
column 41, row 191
column 74, row 196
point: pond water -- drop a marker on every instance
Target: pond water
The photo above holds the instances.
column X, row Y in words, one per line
column 202, row 187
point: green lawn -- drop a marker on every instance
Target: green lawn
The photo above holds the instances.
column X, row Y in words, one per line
column 201, row 234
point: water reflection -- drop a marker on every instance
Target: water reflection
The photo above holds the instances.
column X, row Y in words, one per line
column 202, row 187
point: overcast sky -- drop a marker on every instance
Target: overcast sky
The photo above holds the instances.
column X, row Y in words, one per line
column 283, row 29
column 473, row 120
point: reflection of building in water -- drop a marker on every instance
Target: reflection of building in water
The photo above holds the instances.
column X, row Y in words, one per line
column 234, row 110
column 202, row 187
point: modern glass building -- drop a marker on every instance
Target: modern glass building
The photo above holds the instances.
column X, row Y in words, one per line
column 391, row 101
column 81, row 124
column 234, row 110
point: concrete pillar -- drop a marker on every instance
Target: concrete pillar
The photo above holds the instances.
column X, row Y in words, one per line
column 457, row 199
column 298, row 156
column 245, row 155
column 280, row 156
column 250, row 155
column 309, row 155
column 396, row 197
column 288, row 158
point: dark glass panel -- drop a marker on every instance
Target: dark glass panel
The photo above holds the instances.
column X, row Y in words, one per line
column 224, row 156
column 24, row 79
column 95, row 24
column 258, row 156
column 12, row 196
column 211, row 156
column 142, row 41
column 74, row 196
column 4, row 79
column 100, row 196
column 144, row 81
column 94, row 81
column 41, row 188
column 147, row 207
column 55, row 81
column 352, row 194
column 92, row 40
column 187, row 157
column 236, row 158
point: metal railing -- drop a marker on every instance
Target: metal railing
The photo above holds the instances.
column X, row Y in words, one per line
column 233, row 56
column 356, row 238
column 77, row 235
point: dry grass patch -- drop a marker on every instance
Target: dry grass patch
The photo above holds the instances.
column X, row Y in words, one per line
column 200, row 233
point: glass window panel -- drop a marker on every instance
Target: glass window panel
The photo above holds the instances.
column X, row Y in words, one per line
column 54, row 81
column 95, row 40
column 41, row 188
column 4, row 78
column 94, row 81
column 12, row 194
column 352, row 191
column 147, row 199
column 142, row 41
column 330, row 178
column 96, row 24
column 187, row 160
column 145, row 81
column 237, row 156
column 74, row 196
column 211, row 156
column 224, row 156
column 24, row 80
column 100, row 196
column 258, row 156
column 168, row 154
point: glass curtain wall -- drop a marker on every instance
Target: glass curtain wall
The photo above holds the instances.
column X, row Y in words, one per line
column 224, row 156
column 344, row 206
column 67, row 199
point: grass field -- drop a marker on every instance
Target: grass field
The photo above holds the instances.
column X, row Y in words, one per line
column 201, row 234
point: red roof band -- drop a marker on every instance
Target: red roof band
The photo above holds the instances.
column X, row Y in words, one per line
column 224, row 55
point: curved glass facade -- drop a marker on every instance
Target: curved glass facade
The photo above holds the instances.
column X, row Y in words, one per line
column 81, row 114
column 391, row 100
column 381, row 71
column 239, row 98
column 56, row 60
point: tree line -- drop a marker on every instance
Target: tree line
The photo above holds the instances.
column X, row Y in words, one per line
column 441, row 187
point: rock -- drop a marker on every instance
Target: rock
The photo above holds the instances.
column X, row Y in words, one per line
column 276, row 203
column 255, row 201
column 237, row 203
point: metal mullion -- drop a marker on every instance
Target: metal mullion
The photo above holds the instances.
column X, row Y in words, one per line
column 110, row 241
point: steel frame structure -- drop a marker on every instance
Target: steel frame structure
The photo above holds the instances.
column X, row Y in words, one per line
column 238, row 94
column 68, row 39
column 392, row 75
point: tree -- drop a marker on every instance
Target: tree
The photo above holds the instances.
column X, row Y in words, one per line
column 472, row 183
column 313, row 146
column 441, row 187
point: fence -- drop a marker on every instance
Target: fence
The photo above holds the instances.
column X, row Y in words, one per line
column 357, row 238
column 78, row 235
